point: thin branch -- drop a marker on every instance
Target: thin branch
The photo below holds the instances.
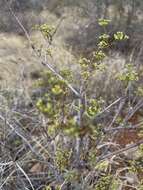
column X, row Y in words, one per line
column 6, row 180
column 108, row 107
column 134, row 110
column 19, row 167
column 42, row 61
column 115, row 153
column 6, row 163
column 134, row 127
column 121, row 105
column 20, row 135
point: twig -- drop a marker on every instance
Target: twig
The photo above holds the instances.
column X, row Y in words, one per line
column 20, row 135
column 108, row 107
column 42, row 61
column 135, row 109
column 134, row 127
column 6, row 163
column 19, row 167
column 1, row 187
column 118, row 112
column 115, row 153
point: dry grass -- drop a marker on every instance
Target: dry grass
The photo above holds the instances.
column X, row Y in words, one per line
column 27, row 150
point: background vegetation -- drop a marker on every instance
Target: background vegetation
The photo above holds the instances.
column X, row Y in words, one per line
column 71, row 95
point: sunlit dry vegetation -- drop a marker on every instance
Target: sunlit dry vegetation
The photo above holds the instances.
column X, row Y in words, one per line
column 71, row 95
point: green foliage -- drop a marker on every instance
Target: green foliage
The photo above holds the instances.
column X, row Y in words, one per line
column 49, row 52
column 57, row 90
column 48, row 188
column 92, row 65
column 71, row 128
column 102, row 166
column 141, row 185
column 94, row 107
column 74, row 116
column 128, row 74
column 104, row 37
column 45, row 107
column 55, row 103
column 103, row 41
column 104, row 183
column 104, row 22
column 139, row 91
column 71, row 175
column 47, row 31
column 119, row 36
column 92, row 157
column 103, row 44
column 99, row 55
column 115, row 184
column 62, row 159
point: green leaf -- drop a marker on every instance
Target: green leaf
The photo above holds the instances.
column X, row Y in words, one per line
column 103, row 166
column 103, row 44
column 48, row 188
column 120, row 36
column 103, row 22
column 99, row 55
column 56, row 90
column 104, row 37
column 115, row 184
